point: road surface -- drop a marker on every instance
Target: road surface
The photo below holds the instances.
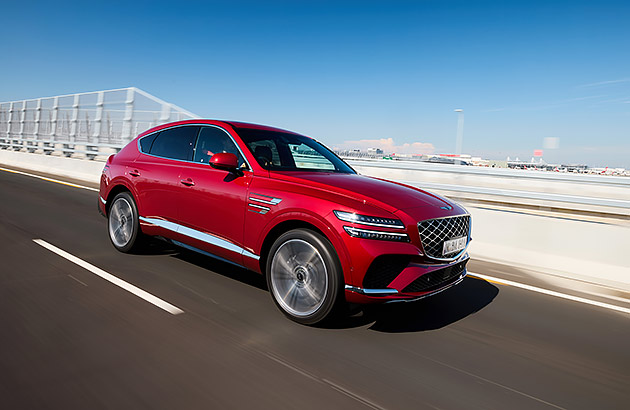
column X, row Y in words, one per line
column 71, row 339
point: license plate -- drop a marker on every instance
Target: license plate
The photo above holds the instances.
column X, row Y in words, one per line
column 454, row 245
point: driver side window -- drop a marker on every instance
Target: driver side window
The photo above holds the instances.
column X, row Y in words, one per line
column 213, row 140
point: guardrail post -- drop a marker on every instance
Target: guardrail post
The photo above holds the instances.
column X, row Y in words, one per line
column 98, row 118
column 22, row 118
column 165, row 114
column 10, row 118
column 75, row 118
column 126, row 130
column 55, row 115
column 38, row 117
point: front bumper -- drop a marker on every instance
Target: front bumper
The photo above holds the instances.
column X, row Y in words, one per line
column 415, row 281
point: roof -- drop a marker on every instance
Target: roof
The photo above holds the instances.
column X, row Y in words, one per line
column 233, row 124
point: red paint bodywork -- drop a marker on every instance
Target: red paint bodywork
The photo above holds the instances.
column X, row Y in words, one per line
column 217, row 204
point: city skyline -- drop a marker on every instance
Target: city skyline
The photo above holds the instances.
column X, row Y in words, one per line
column 353, row 71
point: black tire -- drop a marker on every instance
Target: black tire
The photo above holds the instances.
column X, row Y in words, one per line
column 304, row 276
column 123, row 225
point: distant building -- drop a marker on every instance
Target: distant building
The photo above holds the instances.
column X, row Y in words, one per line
column 375, row 151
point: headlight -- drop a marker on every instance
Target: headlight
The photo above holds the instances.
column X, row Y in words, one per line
column 385, row 236
column 369, row 220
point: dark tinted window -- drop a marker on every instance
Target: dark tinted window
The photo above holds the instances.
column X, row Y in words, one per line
column 146, row 142
column 213, row 140
column 175, row 143
column 283, row 151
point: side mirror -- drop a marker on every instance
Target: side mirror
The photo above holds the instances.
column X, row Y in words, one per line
column 224, row 160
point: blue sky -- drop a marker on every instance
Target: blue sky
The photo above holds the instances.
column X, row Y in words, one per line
column 351, row 71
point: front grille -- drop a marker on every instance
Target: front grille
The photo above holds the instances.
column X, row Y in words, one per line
column 383, row 270
column 436, row 279
column 434, row 232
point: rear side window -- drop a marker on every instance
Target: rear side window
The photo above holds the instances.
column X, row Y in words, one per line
column 175, row 143
column 146, row 142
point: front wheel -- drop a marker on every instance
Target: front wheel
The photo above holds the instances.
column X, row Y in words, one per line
column 304, row 276
column 123, row 224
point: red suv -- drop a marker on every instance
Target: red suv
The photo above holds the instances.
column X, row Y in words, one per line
column 284, row 205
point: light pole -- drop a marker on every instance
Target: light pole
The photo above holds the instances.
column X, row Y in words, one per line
column 460, row 134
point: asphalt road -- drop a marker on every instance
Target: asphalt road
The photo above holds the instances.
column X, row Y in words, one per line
column 70, row 339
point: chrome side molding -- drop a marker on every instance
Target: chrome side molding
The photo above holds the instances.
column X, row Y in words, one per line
column 202, row 236
column 371, row 292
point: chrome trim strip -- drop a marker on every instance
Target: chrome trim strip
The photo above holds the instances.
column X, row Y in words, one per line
column 102, row 200
column 250, row 255
column 377, row 232
column 202, row 236
column 273, row 201
column 263, row 209
column 249, row 167
column 371, row 292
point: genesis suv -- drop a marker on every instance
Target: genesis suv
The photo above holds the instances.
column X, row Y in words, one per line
column 283, row 205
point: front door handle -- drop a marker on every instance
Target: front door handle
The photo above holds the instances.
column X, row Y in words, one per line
column 187, row 182
column 134, row 173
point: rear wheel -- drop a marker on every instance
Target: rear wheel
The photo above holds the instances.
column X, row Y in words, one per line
column 123, row 224
column 304, row 276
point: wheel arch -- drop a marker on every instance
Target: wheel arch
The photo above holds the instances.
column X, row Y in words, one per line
column 115, row 190
column 296, row 223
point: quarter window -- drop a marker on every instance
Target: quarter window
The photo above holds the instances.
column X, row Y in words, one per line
column 175, row 143
column 146, row 142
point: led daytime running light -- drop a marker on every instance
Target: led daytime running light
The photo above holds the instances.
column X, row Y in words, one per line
column 384, row 236
column 369, row 220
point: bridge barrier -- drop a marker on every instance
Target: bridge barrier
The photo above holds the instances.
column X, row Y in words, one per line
column 581, row 193
column 89, row 125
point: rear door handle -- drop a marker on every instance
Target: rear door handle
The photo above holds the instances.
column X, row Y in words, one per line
column 187, row 182
column 134, row 173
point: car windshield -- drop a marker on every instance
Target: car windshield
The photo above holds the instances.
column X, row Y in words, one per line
column 282, row 151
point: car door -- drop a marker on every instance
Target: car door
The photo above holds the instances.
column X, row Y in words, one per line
column 155, row 173
column 212, row 202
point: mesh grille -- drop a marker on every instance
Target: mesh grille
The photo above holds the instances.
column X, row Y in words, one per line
column 434, row 232
column 384, row 270
column 436, row 279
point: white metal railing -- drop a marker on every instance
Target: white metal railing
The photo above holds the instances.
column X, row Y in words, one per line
column 83, row 124
column 599, row 193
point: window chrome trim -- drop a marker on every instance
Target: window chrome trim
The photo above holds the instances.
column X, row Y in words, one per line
column 249, row 167
column 371, row 292
column 201, row 236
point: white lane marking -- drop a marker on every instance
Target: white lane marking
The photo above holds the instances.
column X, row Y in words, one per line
column 57, row 181
column 111, row 278
column 551, row 293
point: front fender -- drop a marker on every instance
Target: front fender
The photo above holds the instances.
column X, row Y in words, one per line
column 321, row 223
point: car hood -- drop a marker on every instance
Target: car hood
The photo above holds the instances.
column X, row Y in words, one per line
column 388, row 195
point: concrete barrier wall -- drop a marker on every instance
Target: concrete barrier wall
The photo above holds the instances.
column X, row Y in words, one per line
column 83, row 170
